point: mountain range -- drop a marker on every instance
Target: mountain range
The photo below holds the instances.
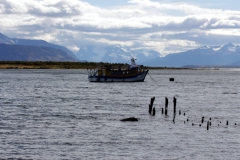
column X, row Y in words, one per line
column 14, row 49
column 218, row 55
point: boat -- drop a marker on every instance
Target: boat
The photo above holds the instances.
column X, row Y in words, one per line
column 127, row 73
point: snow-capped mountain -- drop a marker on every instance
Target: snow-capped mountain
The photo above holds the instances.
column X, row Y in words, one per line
column 115, row 54
column 207, row 55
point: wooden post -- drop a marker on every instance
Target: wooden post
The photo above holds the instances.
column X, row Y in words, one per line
column 174, row 104
column 208, row 125
column 154, row 111
column 179, row 112
column 227, row 123
column 162, row 111
column 150, row 109
column 151, row 105
column 166, row 105
column 202, row 119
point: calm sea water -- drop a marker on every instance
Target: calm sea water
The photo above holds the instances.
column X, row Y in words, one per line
column 58, row 114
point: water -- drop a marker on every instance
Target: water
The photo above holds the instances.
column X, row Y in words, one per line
column 58, row 114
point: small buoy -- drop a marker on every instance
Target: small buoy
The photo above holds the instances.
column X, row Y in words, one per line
column 235, row 124
column 199, row 125
column 171, row 79
column 187, row 119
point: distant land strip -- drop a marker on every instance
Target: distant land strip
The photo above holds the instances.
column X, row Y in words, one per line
column 63, row 65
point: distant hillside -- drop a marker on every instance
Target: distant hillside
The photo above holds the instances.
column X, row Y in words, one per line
column 26, row 44
column 10, row 52
column 30, row 42
column 221, row 55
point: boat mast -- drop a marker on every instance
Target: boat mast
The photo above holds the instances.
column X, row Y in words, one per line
column 133, row 61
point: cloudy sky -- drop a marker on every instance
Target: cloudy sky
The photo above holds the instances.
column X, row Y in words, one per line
column 167, row 26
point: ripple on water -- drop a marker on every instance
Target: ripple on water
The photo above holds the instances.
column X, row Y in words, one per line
column 58, row 114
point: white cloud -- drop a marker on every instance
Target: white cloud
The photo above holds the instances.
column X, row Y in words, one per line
column 139, row 23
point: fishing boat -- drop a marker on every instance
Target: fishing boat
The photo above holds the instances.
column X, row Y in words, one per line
column 128, row 73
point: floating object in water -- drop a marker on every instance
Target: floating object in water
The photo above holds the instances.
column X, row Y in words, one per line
column 133, row 119
column 171, row 79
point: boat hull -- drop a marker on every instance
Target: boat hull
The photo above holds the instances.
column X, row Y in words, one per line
column 137, row 78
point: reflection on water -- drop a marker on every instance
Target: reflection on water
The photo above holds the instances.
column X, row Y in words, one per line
column 58, row 114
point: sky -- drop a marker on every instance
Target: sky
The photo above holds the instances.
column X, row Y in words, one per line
column 166, row 26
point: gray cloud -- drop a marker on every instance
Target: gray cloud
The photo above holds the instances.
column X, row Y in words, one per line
column 161, row 26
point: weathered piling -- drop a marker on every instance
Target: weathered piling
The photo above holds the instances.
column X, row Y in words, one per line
column 179, row 112
column 162, row 111
column 174, row 104
column 153, row 111
column 151, row 106
column 227, row 123
column 202, row 119
column 152, row 100
column 208, row 125
column 166, row 105
column 174, row 116
column 150, row 109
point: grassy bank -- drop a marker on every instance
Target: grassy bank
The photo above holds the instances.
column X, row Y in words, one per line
column 49, row 65
column 62, row 65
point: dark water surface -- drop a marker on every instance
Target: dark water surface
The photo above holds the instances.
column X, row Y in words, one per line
column 58, row 114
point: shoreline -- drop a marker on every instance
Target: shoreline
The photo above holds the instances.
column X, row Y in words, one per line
column 91, row 65
column 69, row 65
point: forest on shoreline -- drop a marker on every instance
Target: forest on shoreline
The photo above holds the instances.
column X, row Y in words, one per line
column 61, row 65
